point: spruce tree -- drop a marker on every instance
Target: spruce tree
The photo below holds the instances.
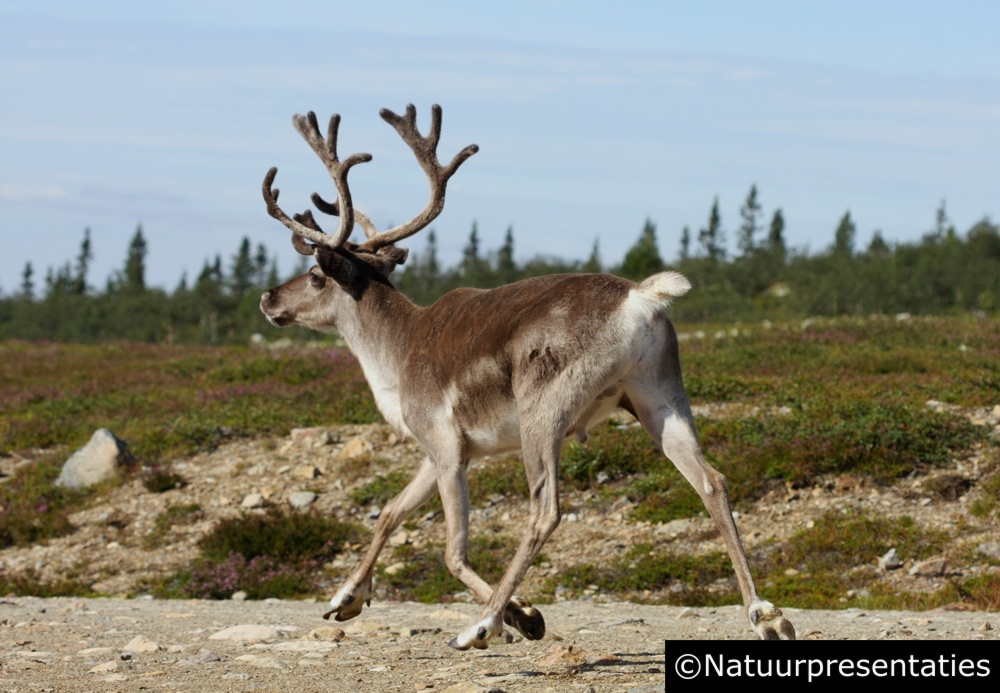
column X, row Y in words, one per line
column 843, row 237
column 749, row 212
column 82, row 264
column 643, row 258
column 712, row 237
column 135, row 264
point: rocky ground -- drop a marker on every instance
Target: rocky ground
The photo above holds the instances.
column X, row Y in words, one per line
column 135, row 645
column 108, row 644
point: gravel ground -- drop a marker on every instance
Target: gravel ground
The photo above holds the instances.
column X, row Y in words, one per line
column 102, row 645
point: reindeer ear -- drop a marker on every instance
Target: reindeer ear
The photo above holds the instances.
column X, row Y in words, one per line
column 394, row 255
column 301, row 246
column 336, row 266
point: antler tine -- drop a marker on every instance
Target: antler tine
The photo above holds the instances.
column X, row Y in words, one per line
column 326, row 150
column 311, row 232
column 425, row 149
column 359, row 216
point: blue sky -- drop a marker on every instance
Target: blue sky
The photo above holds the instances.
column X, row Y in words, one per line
column 591, row 117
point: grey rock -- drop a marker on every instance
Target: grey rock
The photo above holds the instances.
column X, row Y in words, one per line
column 252, row 501
column 141, row 643
column 301, row 499
column 933, row 567
column 203, row 657
column 246, row 632
column 890, row 561
column 990, row 549
column 96, row 461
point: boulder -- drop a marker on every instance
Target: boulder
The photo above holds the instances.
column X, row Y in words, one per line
column 96, row 461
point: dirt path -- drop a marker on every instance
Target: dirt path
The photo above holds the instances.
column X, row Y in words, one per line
column 145, row 644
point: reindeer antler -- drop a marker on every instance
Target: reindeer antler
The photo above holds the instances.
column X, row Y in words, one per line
column 425, row 149
column 303, row 226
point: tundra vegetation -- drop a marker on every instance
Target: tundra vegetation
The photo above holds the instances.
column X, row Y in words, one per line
column 804, row 401
column 803, row 348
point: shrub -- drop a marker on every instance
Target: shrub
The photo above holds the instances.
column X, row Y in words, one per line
column 425, row 578
column 645, row 567
column 159, row 480
column 274, row 554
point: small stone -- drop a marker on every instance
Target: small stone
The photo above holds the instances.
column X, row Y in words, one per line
column 688, row 612
column 247, row 633
column 399, row 538
column 990, row 549
column 367, row 627
column 141, row 643
column 448, row 614
column 239, row 596
column 933, row 567
column 359, row 447
column 266, row 663
column 302, row 499
column 890, row 561
column 395, row 568
column 326, row 634
column 253, row 501
column 314, row 435
column 986, row 626
column 306, row 472
column 105, row 668
column 465, row 687
column 203, row 657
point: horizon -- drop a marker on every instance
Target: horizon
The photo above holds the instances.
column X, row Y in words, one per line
column 590, row 118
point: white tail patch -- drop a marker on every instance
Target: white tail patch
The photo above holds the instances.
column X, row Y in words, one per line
column 656, row 292
column 665, row 285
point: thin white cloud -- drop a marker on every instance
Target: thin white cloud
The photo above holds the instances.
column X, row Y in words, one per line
column 16, row 192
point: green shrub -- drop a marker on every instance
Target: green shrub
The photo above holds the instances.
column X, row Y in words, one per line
column 645, row 567
column 274, row 554
column 33, row 509
column 425, row 577
column 381, row 489
column 159, row 480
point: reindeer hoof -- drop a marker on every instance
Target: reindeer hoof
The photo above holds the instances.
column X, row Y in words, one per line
column 769, row 623
column 347, row 604
column 477, row 635
column 527, row 619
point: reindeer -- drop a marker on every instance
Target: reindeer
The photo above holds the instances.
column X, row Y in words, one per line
column 477, row 373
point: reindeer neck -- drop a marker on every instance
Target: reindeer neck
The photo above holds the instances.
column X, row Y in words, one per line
column 377, row 332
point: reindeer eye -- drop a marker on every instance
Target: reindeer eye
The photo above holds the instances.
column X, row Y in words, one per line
column 317, row 280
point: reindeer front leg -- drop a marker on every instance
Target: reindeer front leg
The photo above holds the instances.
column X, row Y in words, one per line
column 357, row 591
column 541, row 462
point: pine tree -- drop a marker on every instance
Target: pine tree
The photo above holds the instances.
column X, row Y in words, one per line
column 135, row 264
column 82, row 264
column 843, row 237
column 27, row 285
column 643, row 258
column 244, row 269
column 878, row 246
column 431, row 266
column 685, row 253
column 472, row 262
column 749, row 212
column 506, row 267
column 261, row 262
column 712, row 237
column 593, row 263
column 776, row 234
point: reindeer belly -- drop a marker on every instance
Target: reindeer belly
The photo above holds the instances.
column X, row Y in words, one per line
column 501, row 434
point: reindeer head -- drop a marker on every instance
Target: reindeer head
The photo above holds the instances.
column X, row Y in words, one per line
column 344, row 270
